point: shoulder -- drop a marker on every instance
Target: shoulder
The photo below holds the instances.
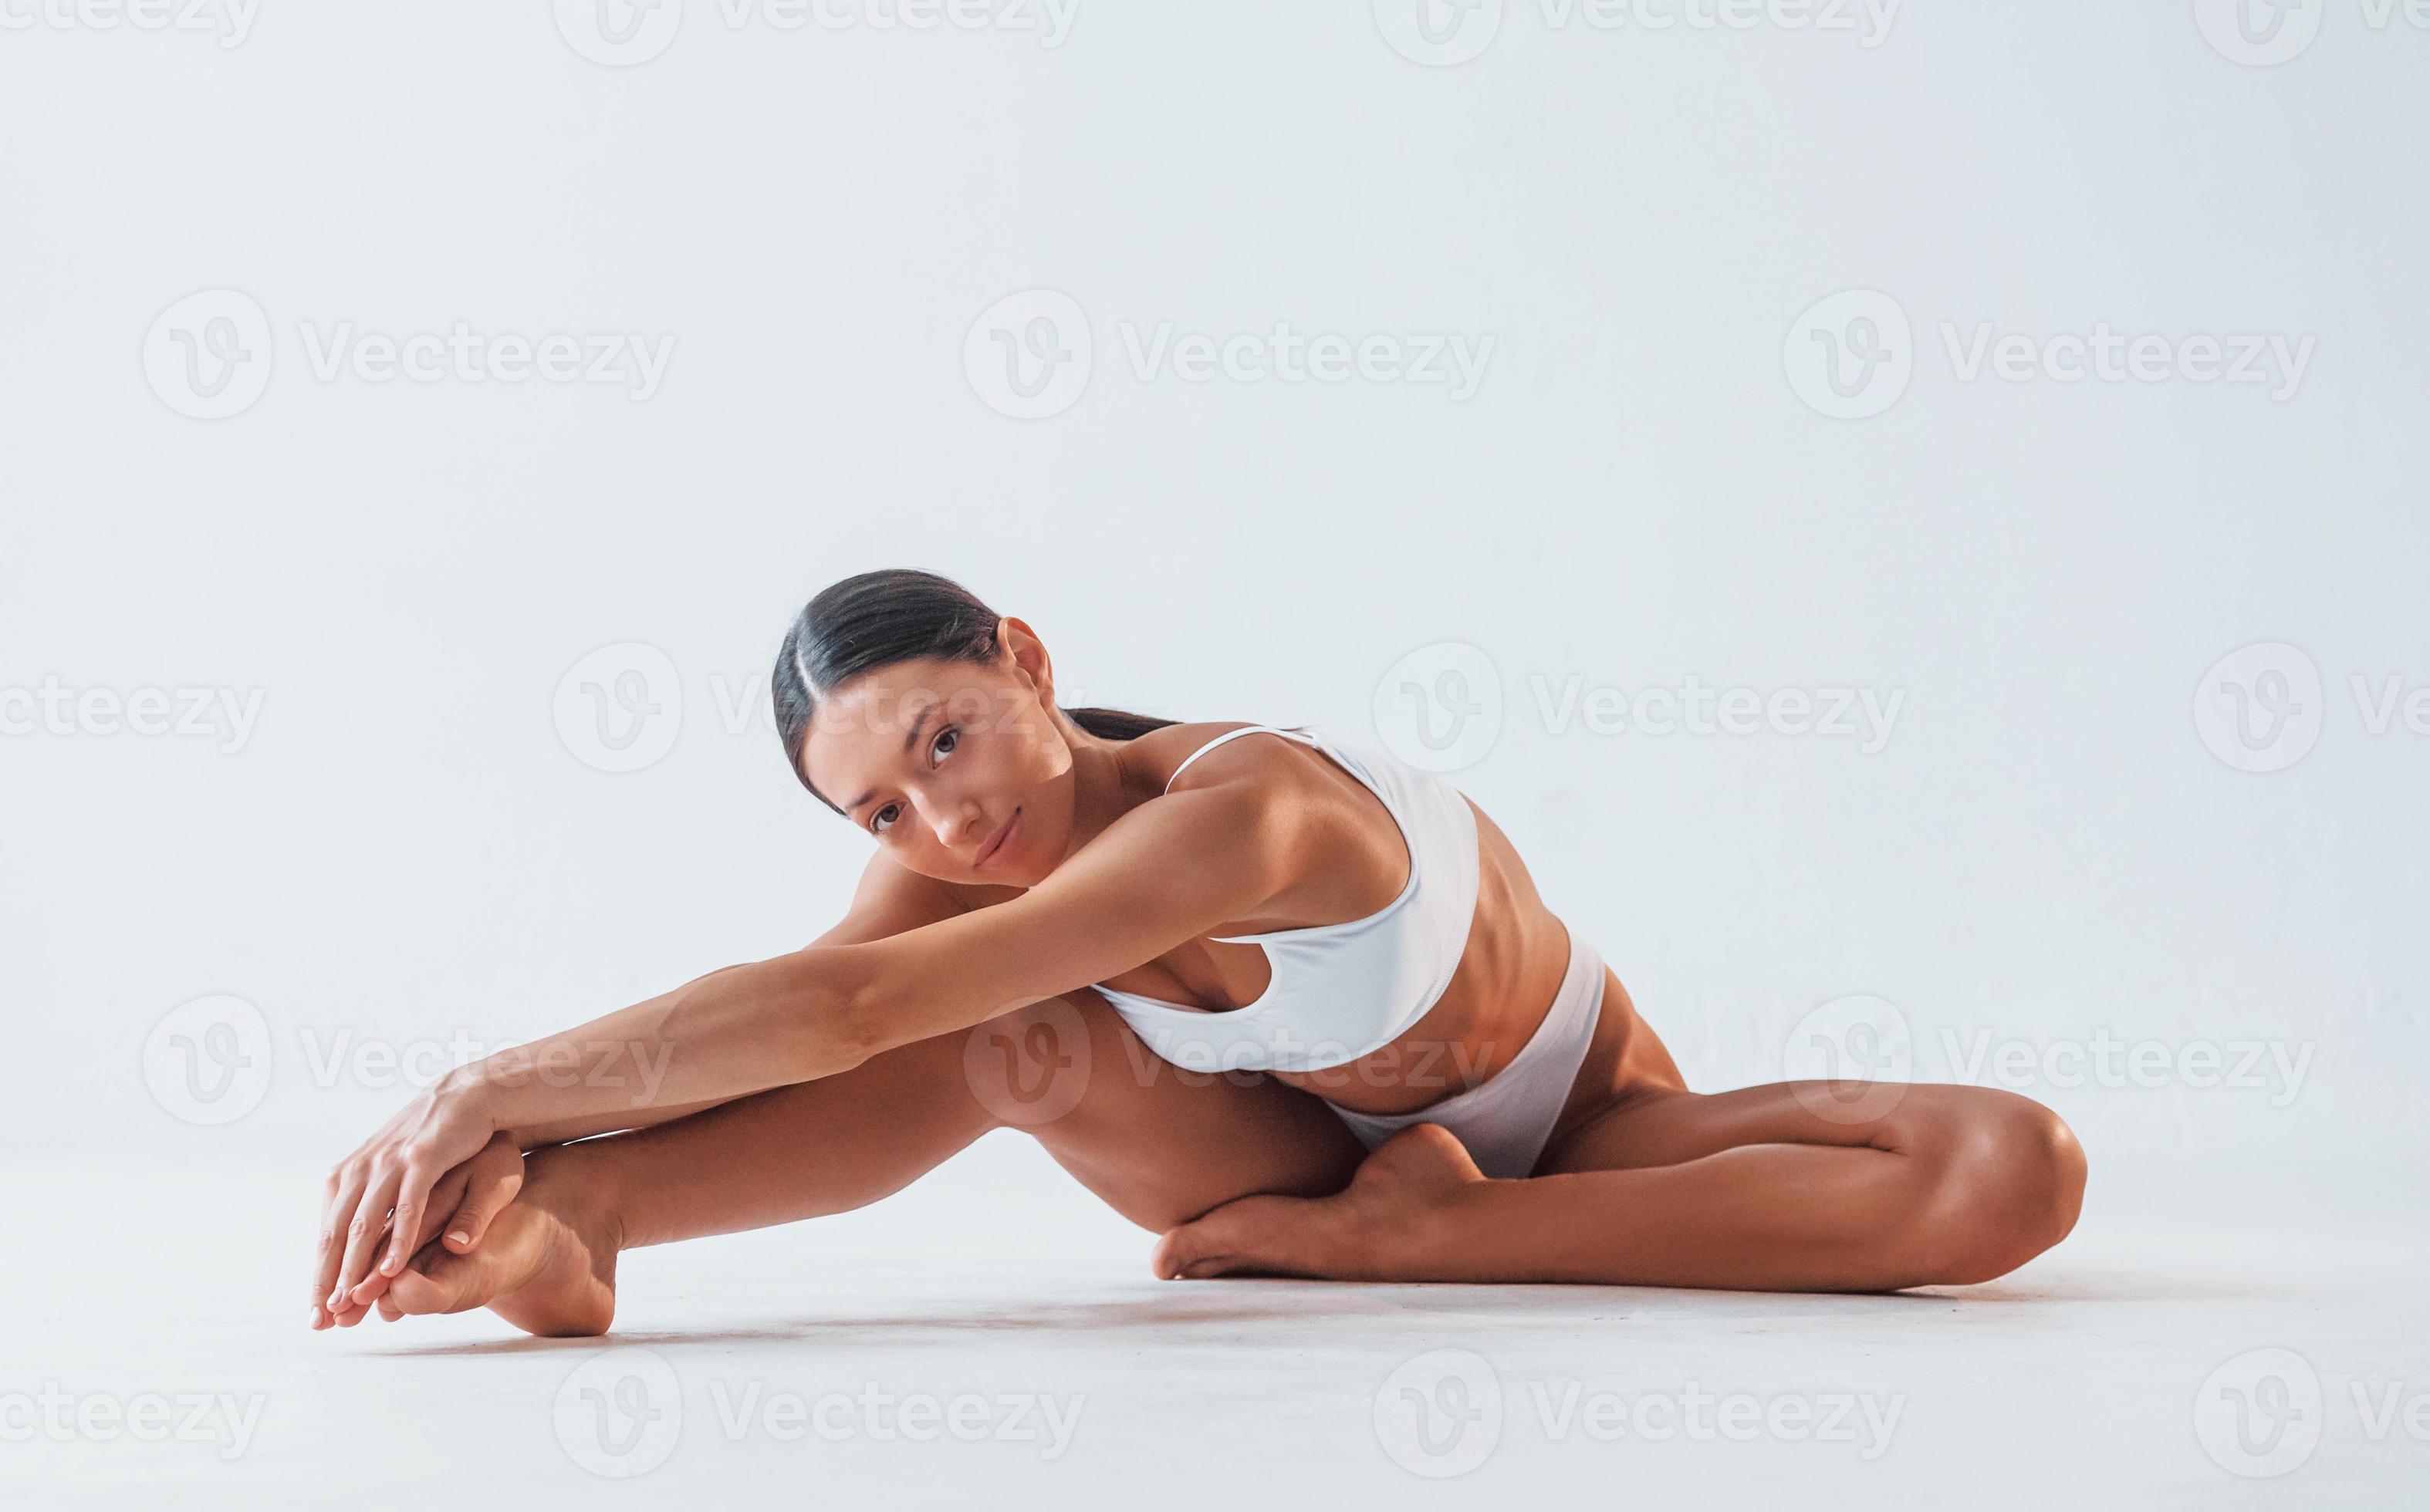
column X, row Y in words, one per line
column 1274, row 763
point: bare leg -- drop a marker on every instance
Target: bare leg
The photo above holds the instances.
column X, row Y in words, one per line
column 1160, row 1146
column 1745, row 1190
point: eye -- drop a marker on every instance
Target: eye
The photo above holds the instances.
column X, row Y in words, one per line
column 940, row 746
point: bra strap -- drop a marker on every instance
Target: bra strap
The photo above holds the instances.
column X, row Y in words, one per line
column 1295, row 733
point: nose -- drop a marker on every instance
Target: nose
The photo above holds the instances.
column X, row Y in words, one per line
column 964, row 825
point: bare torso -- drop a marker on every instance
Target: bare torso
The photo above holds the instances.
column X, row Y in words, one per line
column 1515, row 954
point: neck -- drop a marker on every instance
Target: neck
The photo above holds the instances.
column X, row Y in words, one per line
column 1100, row 794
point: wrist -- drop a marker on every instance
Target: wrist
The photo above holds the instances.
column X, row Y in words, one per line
column 469, row 1089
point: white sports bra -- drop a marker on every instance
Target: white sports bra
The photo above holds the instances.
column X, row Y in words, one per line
column 1339, row 991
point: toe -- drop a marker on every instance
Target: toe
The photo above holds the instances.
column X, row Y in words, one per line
column 434, row 1283
column 1234, row 1237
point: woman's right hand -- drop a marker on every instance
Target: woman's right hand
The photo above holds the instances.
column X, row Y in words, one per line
column 463, row 1202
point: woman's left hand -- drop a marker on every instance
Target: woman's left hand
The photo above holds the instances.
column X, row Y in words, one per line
column 393, row 1170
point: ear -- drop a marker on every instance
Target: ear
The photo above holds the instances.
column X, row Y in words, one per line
column 1016, row 639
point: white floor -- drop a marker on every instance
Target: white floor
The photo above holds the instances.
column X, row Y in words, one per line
column 171, row 1364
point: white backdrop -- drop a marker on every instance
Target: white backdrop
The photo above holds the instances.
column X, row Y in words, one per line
column 387, row 829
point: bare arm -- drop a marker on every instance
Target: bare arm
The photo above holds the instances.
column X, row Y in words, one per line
column 1165, row 873
column 889, row 901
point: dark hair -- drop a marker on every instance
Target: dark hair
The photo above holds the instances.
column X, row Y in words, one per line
column 878, row 619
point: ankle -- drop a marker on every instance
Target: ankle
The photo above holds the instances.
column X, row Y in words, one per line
column 585, row 1191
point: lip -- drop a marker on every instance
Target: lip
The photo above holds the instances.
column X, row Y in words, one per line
column 995, row 844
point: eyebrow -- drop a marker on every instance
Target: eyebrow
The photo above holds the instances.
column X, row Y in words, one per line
column 916, row 726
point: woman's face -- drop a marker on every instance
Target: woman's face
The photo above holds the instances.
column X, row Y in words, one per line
column 958, row 770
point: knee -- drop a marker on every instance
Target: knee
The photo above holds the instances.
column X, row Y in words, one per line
column 2006, row 1183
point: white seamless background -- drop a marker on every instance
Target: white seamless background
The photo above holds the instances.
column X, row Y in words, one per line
column 2046, row 850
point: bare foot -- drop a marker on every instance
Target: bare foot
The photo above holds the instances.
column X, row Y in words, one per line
column 547, row 1265
column 1364, row 1233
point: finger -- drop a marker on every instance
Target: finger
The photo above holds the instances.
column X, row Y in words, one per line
column 363, row 1233
column 388, row 1310
column 371, row 1287
column 445, row 1199
column 351, row 1314
column 489, row 1193
column 346, row 1195
column 412, row 1196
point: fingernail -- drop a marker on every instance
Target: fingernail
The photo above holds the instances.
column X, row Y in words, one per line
column 460, row 1237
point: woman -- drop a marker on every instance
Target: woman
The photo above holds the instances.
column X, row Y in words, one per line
column 1294, row 1004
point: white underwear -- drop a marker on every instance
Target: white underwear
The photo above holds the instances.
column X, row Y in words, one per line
column 1506, row 1119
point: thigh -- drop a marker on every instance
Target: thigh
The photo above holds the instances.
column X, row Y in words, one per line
column 1161, row 1145
column 1665, row 1126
